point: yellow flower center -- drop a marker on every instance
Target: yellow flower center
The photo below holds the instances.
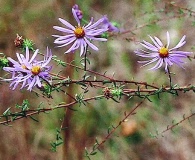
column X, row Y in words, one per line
column 79, row 32
column 36, row 70
column 163, row 52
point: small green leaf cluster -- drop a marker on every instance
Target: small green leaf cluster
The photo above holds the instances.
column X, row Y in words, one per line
column 4, row 62
column 58, row 141
column 28, row 43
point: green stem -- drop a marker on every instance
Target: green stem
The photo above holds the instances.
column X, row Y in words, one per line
column 170, row 79
column 85, row 59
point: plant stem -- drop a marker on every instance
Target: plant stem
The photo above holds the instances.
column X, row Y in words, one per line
column 85, row 61
column 170, row 79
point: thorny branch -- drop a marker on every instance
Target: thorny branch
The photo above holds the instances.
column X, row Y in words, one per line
column 132, row 112
column 176, row 124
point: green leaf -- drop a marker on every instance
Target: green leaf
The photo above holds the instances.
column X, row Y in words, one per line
column 93, row 153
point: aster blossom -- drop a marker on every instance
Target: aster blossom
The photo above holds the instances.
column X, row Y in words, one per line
column 161, row 54
column 79, row 36
column 111, row 26
column 29, row 71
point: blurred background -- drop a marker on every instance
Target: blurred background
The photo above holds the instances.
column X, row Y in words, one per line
column 26, row 139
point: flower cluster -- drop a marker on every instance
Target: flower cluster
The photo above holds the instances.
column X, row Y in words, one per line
column 78, row 12
column 29, row 71
column 80, row 36
column 162, row 54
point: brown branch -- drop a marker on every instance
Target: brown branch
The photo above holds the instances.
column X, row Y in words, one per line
column 34, row 112
column 119, row 124
column 183, row 8
column 108, row 81
column 126, row 91
column 152, row 22
column 171, row 127
column 187, row 88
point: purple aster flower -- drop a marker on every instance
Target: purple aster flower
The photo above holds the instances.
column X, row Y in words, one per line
column 29, row 71
column 160, row 53
column 78, row 12
column 109, row 25
column 80, row 36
